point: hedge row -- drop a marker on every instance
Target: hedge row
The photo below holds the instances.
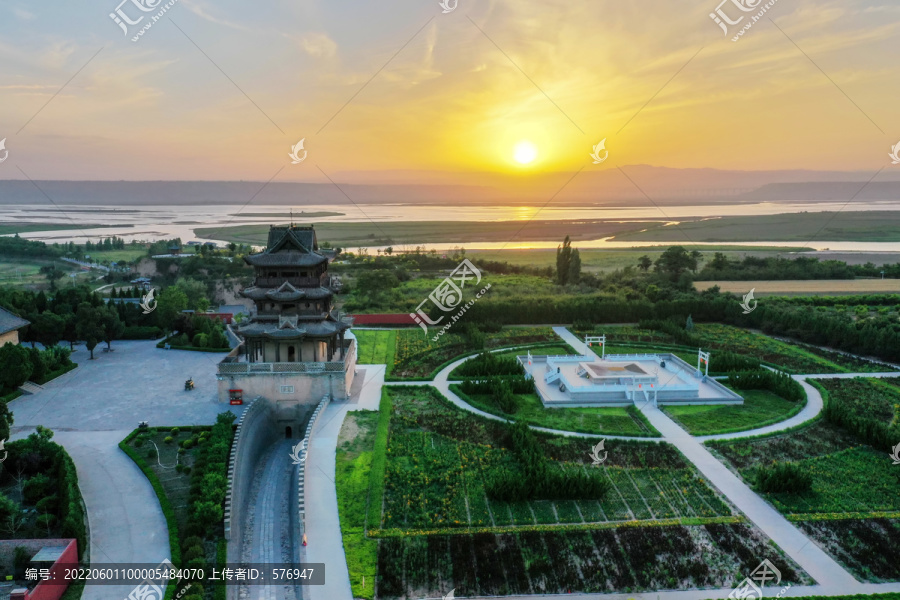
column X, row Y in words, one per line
column 780, row 384
column 168, row 511
column 379, row 461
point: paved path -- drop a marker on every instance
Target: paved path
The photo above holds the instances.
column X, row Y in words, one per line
column 268, row 536
column 91, row 409
column 323, row 527
column 825, row 570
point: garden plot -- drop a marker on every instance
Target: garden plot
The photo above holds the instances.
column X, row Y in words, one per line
column 627, row 559
column 437, row 479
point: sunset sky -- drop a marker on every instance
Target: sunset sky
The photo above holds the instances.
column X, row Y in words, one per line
column 451, row 99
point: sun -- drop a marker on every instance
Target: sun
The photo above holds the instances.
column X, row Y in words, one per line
column 525, row 152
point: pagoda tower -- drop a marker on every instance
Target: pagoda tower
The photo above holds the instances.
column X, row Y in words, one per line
column 292, row 291
column 293, row 346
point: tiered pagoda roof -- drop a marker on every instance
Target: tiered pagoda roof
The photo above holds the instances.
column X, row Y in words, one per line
column 289, row 247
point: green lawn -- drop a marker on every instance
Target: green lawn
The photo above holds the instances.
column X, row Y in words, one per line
column 353, row 462
column 127, row 254
column 601, row 421
column 376, row 347
column 760, row 408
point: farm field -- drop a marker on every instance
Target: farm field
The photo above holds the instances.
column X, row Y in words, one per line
column 760, row 408
column 767, row 349
column 628, row 559
column 432, row 535
column 439, row 458
column 876, row 399
column 376, row 346
column 860, row 226
column 867, row 547
column 819, row 287
column 417, row 356
column 353, row 463
column 847, row 477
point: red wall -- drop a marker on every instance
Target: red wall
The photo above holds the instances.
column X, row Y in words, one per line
column 397, row 319
column 45, row 590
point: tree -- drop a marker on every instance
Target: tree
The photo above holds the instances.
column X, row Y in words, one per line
column 644, row 263
column 564, row 257
column 6, row 420
column 89, row 326
column 17, row 366
column 575, row 267
column 675, row 261
column 194, row 291
column 689, row 324
column 377, row 282
column 719, row 261
column 48, row 328
column 171, row 302
column 113, row 327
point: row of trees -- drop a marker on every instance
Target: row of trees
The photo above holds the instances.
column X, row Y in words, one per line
column 539, row 478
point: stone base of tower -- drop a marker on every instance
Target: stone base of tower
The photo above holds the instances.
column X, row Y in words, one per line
column 291, row 387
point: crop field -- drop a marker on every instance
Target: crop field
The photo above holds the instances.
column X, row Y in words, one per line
column 807, row 287
column 438, row 481
column 766, row 349
column 867, row 547
column 760, row 408
column 353, row 462
column 418, row 356
column 846, row 477
column 627, row 559
column 435, row 515
column 871, row 397
column 601, row 421
column 376, row 346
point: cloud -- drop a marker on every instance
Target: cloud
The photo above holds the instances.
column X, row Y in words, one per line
column 318, row 44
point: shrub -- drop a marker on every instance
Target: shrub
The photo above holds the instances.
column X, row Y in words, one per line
column 201, row 340
column 192, row 540
column 187, row 444
column 36, row 488
column 193, row 552
column 192, row 530
column 138, row 443
column 175, row 431
column 185, row 470
column 783, row 477
column 490, row 363
column 48, row 504
column 169, row 439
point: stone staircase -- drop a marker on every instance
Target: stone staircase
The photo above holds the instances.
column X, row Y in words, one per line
column 30, row 387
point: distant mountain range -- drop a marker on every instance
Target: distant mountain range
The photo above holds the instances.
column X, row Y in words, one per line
column 609, row 186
